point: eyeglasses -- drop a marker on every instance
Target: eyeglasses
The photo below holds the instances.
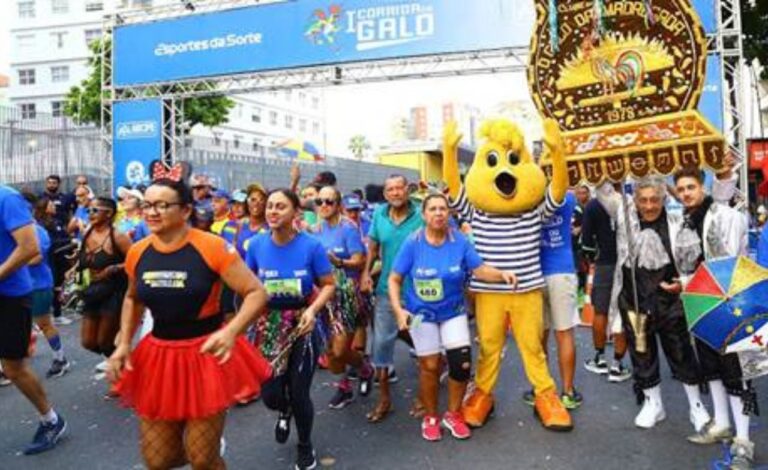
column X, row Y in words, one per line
column 197, row 188
column 325, row 202
column 160, row 206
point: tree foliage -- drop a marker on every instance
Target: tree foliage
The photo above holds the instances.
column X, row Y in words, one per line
column 754, row 24
column 83, row 102
column 359, row 146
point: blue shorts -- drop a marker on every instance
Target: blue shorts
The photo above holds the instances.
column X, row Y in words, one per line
column 42, row 301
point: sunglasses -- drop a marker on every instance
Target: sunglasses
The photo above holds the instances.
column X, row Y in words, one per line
column 325, row 202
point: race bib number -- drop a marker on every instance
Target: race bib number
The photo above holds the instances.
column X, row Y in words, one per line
column 283, row 288
column 429, row 290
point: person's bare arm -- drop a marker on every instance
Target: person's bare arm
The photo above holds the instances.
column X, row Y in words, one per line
column 327, row 287
column 366, row 283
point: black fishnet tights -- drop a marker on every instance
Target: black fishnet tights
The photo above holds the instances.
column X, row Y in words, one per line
column 171, row 444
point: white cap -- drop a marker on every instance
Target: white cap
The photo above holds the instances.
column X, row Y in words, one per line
column 123, row 193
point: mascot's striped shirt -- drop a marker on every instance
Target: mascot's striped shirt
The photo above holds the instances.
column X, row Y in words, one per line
column 508, row 242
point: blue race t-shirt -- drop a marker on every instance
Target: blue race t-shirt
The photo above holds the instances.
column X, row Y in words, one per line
column 245, row 236
column 762, row 247
column 42, row 276
column 81, row 214
column 14, row 214
column 343, row 240
column 437, row 275
column 141, row 232
column 288, row 272
column 556, row 247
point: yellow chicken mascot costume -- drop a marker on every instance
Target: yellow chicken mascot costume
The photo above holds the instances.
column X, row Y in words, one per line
column 505, row 198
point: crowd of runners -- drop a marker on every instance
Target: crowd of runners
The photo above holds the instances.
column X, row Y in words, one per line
column 198, row 298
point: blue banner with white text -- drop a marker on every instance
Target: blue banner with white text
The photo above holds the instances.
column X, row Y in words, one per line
column 136, row 140
column 305, row 33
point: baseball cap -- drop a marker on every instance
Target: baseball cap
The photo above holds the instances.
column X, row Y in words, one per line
column 239, row 196
column 220, row 194
column 123, row 192
column 352, row 201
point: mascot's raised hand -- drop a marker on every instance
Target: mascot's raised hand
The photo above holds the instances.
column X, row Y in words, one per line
column 451, row 139
column 555, row 152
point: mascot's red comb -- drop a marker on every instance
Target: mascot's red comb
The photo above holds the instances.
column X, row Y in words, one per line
column 179, row 171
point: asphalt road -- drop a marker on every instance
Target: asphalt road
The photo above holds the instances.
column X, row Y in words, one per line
column 104, row 436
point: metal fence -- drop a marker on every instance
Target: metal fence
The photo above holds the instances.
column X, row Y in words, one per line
column 35, row 146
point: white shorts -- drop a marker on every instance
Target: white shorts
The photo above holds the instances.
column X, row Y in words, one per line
column 433, row 338
column 560, row 304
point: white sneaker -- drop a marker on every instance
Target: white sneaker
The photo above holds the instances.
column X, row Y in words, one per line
column 4, row 381
column 653, row 409
column 101, row 366
column 699, row 417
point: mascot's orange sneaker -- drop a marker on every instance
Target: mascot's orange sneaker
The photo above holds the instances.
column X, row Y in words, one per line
column 550, row 410
column 477, row 408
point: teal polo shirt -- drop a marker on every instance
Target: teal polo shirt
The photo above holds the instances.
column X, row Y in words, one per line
column 390, row 237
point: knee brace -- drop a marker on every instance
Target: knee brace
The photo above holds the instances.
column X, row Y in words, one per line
column 459, row 363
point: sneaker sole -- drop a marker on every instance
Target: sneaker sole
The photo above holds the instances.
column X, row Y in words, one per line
column 453, row 433
column 342, row 404
column 595, row 370
column 431, row 440
column 617, row 380
column 55, row 442
column 556, row 427
column 63, row 371
column 311, row 467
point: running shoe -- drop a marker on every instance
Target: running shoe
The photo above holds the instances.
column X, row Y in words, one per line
column 58, row 368
column 366, row 382
column 341, row 399
column 619, row 373
column 430, row 428
column 4, row 381
column 529, row 397
column 393, row 379
column 101, row 366
column 283, row 427
column 62, row 321
column 454, row 422
column 597, row 365
column 305, row 457
column 571, row 400
column 46, row 436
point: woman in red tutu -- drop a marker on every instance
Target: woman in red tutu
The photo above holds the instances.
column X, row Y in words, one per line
column 182, row 378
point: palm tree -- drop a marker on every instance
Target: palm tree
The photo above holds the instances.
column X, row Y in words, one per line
column 359, row 145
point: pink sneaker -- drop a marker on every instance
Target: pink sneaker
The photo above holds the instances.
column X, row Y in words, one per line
column 430, row 428
column 454, row 422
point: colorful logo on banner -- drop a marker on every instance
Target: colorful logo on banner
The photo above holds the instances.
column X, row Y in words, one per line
column 324, row 26
column 137, row 140
column 623, row 80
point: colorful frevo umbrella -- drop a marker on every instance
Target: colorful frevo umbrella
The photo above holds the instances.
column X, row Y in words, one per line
column 726, row 305
column 300, row 150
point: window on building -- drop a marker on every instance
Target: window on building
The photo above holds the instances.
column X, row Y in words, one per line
column 302, row 125
column 273, row 118
column 60, row 6
column 256, row 144
column 26, row 76
column 302, row 98
column 92, row 35
column 58, row 38
column 256, row 115
column 315, row 127
column 28, row 110
column 288, row 121
column 27, row 9
column 315, row 102
column 57, row 108
column 94, row 5
column 217, row 138
column 288, row 94
column 236, row 140
column 25, row 41
column 60, row 73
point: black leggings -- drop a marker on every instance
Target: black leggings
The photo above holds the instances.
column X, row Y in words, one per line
column 291, row 390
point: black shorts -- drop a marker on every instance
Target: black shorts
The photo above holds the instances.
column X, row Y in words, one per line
column 15, row 326
column 602, row 287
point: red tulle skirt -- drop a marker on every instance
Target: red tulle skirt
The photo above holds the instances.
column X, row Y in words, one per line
column 171, row 380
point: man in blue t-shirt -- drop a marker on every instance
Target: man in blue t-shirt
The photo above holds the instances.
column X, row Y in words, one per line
column 560, row 293
column 19, row 246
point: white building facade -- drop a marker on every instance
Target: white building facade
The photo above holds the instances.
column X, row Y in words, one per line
column 50, row 50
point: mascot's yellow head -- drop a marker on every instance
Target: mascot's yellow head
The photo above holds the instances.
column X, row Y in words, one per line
column 503, row 178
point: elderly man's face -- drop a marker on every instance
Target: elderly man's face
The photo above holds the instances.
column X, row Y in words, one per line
column 649, row 204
